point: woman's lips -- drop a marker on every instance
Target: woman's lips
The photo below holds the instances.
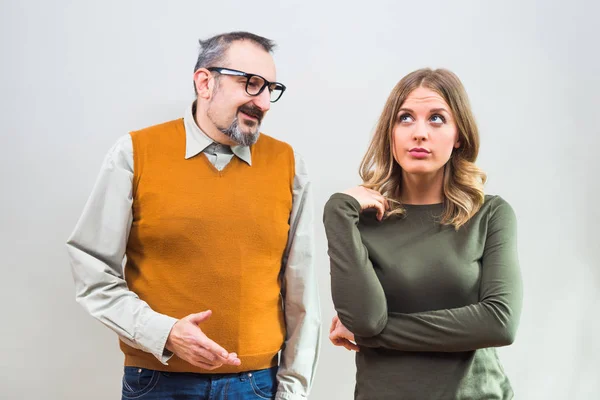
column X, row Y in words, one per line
column 419, row 153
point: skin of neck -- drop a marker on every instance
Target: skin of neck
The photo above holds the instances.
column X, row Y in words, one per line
column 206, row 125
column 422, row 189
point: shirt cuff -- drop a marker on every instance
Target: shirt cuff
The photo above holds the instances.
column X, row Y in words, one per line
column 154, row 335
column 289, row 396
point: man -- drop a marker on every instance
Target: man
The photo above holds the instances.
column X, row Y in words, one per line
column 215, row 222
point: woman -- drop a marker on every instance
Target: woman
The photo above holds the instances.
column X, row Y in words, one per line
column 424, row 270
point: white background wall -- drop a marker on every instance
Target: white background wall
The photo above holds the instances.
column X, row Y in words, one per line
column 74, row 76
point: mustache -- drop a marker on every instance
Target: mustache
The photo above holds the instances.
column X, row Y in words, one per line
column 252, row 111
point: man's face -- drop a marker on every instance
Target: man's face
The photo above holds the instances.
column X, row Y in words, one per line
column 231, row 109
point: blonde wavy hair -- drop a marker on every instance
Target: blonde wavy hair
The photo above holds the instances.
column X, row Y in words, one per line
column 463, row 180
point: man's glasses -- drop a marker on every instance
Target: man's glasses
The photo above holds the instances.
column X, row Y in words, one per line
column 255, row 84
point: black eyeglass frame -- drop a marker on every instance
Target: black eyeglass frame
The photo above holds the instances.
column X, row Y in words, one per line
column 235, row 72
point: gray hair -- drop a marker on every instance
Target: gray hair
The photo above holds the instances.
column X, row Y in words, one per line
column 212, row 50
column 236, row 134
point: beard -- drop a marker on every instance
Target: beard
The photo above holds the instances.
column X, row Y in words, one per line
column 234, row 130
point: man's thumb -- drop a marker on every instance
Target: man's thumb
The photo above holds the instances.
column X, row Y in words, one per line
column 200, row 317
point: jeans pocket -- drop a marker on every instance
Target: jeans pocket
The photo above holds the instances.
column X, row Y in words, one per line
column 138, row 382
column 264, row 383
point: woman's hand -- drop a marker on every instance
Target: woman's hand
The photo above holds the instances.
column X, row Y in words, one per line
column 339, row 335
column 369, row 198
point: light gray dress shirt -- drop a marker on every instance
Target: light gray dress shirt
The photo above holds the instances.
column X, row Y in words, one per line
column 97, row 249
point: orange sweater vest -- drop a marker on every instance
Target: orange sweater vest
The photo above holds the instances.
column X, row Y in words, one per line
column 206, row 239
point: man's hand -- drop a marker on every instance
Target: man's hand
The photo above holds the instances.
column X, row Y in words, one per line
column 189, row 343
column 339, row 335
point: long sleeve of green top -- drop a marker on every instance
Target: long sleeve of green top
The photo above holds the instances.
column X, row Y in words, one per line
column 411, row 284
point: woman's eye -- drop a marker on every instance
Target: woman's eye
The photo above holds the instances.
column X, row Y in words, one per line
column 405, row 118
column 437, row 119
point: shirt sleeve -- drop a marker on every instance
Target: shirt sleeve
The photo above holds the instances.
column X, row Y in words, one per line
column 301, row 298
column 96, row 250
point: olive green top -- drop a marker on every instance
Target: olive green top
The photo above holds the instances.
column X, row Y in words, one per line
column 427, row 304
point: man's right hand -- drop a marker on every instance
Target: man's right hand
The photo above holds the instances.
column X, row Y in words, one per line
column 189, row 343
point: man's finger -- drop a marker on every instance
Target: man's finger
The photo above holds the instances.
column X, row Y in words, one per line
column 213, row 364
column 212, row 346
column 233, row 359
column 199, row 317
column 210, row 357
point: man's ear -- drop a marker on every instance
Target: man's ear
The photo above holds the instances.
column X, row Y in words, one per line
column 204, row 82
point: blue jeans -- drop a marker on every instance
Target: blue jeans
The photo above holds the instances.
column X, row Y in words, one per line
column 147, row 384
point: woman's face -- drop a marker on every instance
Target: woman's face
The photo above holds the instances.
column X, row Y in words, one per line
column 425, row 133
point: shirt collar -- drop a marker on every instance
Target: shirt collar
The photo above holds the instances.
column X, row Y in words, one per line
column 197, row 141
